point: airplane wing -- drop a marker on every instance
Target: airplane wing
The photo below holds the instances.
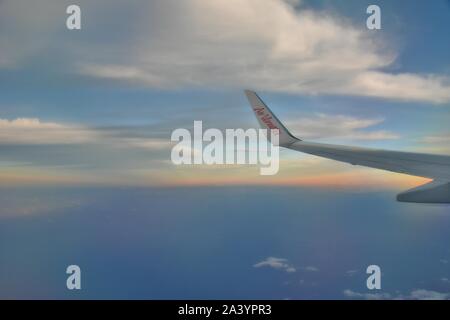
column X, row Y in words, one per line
column 436, row 167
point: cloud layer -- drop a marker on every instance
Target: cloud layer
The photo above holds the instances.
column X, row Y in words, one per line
column 33, row 131
column 268, row 45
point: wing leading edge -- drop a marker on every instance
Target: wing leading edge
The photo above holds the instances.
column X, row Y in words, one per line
column 436, row 167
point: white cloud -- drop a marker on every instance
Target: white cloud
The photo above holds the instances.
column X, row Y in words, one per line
column 27, row 123
column 269, row 45
column 421, row 294
column 405, row 86
column 276, row 263
column 417, row 294
column 263, row 44
column 366, row 296
column 282, row 264
column 33, row 131
column 437, row 139
column 146, row 143
column 325, row 125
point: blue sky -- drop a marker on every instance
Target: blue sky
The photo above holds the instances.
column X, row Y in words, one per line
column 87, row 114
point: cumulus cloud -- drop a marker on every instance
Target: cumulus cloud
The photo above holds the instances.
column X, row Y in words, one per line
column 271, row 45
column 264, row 44
column 430, row 88
column 325, row 125
column 276, row 263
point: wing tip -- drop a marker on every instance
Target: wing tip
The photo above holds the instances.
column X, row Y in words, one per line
column 249, row 92
column 268, row 119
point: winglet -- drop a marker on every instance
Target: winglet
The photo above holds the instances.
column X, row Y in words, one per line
column 268, row 120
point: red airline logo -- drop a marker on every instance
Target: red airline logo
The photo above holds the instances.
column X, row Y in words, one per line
column 265, row 117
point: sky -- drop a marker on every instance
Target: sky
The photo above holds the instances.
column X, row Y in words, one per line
column 92, row 110
column 98, row 105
